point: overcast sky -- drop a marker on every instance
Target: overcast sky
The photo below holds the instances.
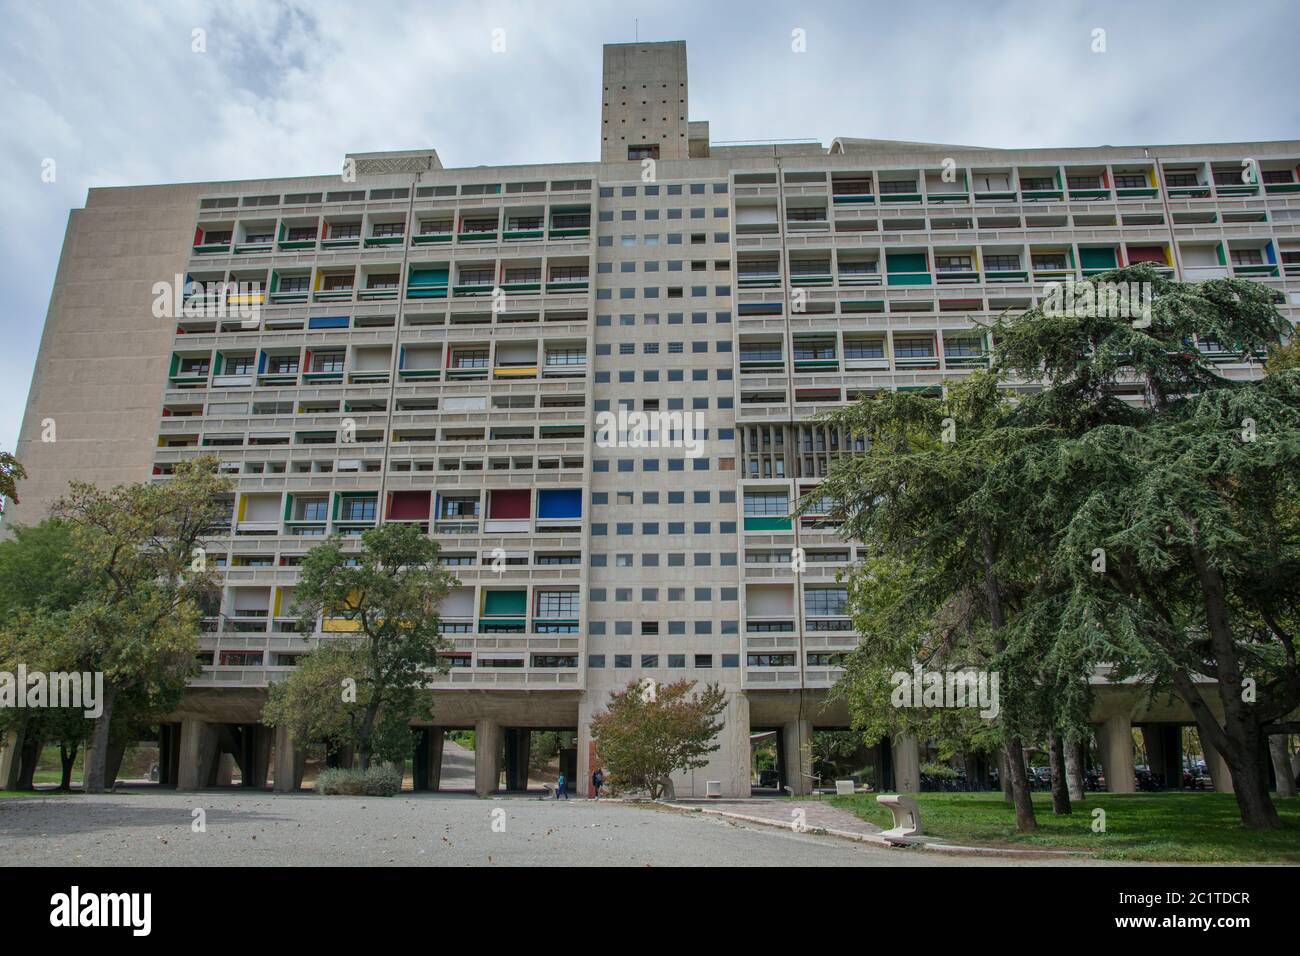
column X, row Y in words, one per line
column 115, row 94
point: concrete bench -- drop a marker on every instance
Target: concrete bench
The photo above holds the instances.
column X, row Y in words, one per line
column 844, row 788
column 907, row 816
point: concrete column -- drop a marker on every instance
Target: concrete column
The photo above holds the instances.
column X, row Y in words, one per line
column 797, row 748
column 1155, row 747
column 906, row 751
column 289, row 758
column 198, row 755
column 519, row 743
column 11, row 752
column 1074, row 769
column 1217, row 767
column 586, row 747
column 260, row 756
column 437, row 737
column 225, row 770
column 487, row 759
column 1280, row 749
column 1115, row 741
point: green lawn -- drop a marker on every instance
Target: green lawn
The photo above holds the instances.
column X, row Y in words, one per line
column 1167, row 827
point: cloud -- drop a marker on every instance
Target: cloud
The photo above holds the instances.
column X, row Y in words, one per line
column 114, row 93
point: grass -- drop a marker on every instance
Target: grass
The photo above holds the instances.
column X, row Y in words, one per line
column 1151, row 827
column 34, row 793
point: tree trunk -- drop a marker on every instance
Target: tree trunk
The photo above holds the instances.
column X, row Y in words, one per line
column 1280, row 750
column 67, row 758
column 28, row 757
column 1074, row 769
column 1241, row 740
column 97, row 754
column 1060, row 787
column 1025, row 819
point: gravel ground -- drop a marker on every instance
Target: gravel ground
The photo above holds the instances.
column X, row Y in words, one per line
column 153, row 827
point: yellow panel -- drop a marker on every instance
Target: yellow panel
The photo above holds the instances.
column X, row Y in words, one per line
column 339, row 624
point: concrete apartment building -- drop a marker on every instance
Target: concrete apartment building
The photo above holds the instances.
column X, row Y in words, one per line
column 438, row 346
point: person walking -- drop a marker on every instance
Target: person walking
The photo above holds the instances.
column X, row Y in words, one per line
column 559, row 787
column 597, row 778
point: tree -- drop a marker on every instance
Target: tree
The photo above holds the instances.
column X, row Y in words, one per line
column 1174, row 541
column 647, row 733
column 37, row 587
column 942, row 574
column 138, row 560
column 385, row 597
column 11, row 472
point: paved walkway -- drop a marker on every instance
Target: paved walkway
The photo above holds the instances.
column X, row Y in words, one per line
column 153, row 827
column 810, row 814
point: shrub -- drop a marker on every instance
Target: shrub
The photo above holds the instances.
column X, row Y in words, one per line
column 375, row 782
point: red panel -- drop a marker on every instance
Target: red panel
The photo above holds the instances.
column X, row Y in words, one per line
column 1146, row 254
column 408, row 505
column 198, row 237
column 510, row 504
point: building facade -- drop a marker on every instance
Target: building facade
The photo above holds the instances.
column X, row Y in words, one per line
column 593, row 383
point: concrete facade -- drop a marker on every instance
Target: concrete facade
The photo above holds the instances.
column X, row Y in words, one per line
column 439, row 346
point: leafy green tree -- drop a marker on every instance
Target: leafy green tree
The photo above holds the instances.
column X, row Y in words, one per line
column 1284, row 357
column 941, row 577
column 11, row 472
column 647, row 733
column 1174, row 544
column 322, row 701
column 388, row 592
column 138, row 564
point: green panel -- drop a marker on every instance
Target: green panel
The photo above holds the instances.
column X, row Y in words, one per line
column 1223, row 261
column 1097, row 258
column 767, row 524
column 905, row 262
column 505, row 602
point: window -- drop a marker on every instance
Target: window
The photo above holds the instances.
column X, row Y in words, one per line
column 951, row 263
column 1247, row 257
column 295, row 283
column 897, row 186
column 327, row 362
column 1055, row 260
column 767, row 503
column 913, row 348
column 557, row 604
column 282, row 364
column 338, row 283
column 358, row 509
column 1037, row 182
column 825, row 602
column 1182, row 177
column 239, row 365
column 1084, row 182
column 383, row 229
column 345, row 230
column 1130, row 181
column 1277, row 176
column 1001, row 263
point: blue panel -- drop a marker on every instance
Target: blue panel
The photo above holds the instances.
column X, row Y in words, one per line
column 328, row 322
column 559, row 503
